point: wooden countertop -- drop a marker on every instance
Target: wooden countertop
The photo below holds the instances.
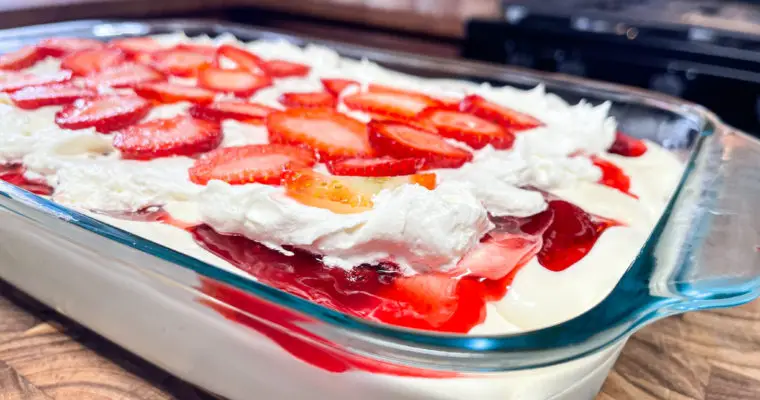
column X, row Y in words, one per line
column 434, row 17
column 711, row 355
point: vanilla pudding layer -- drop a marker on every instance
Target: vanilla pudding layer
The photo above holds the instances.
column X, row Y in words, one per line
column 88, row 174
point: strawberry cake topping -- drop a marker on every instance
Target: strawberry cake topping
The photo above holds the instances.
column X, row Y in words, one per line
column 391, row 198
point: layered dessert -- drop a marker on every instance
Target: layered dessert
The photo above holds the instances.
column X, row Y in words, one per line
column 433, row 204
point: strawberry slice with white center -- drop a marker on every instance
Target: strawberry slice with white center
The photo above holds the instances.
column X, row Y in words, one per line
column 33, row 97
column 105, row 114
column 344, row 195
column 181, row 61
column 57, row 47
column 237, row 110
column 308, row 100
column 404, row 141
column 87, row 62
column 394, row 103
column 331, row 134
column 11, row 81
column 468, row 128
column 243, row 59
column 382, row 166
column 337, row 85
column 137, row 45
column 164, row 92
column 433, row 298
column 236, row 81
column 266, row 163
column 177, row 136
column 498, row 254
column 24, row 57
column 285, row 69
column 496, row 113
column 124, row 76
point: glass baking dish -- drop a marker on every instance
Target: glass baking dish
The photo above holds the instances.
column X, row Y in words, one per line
column 235, row 337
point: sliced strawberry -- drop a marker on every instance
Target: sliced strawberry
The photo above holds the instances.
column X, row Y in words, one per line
column 394, row 103
column 336, row 86
column 331, row 134
column 236, row 81
column 124, row 75
column 627, row 146
column 504, row 116
column 307, row 100
column 204, row 49
column 383, row 166
column 10, row 81
column 87, row 62
column 498, row 254
column 468, row 128
column 431, row 297
column 177, row 136
column 419, row 123
column 105, row 114
column 262, row 163
column 57, row 47
column 344, row 195
column 165, row 92
column 181, row 62
column 33, row 97
column 285, row 69
column 137, row 45
column 237, row 110
column 24, row 57
column 401, row 140
column 244, row 59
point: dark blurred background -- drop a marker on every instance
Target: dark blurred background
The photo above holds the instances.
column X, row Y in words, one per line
column 706, row 51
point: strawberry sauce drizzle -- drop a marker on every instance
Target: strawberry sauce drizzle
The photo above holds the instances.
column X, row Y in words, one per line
column 14, row 174
column 627, row 146
column 613, row 176
column 150, row 214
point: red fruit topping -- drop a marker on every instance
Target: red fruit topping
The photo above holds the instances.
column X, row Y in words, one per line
column 613, row 176
column 137, row 45
column 627, row 146
column 383, row 166
column 87, row 62
column 394, row 103
column 245, row 60
column 424, row 124
column 506, row 117
column 499, row 254
column 468, row 128
column 14, row 174
column 165, row 92
column 568, row 233
column 331, row 134
column 24, row 57
column 336, row 86
column 10, row 81
column 33, row 97
column 344, row 195
column 177, row 136
column 181, row 62
column 432, row 295
column 285, row 69
column 237, row 110
column 204, row 49
column 105, row 114
column 57, row 47
column 401, row 140
column 307, row 100
column 237, row 81
column 265, row 163
column 124, row 75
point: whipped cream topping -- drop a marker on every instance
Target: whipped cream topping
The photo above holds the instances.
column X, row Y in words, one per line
column 416, row 228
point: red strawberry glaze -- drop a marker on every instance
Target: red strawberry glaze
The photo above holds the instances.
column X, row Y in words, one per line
column 149, row 214
column 627, row 146
column 613, row 176
column 14, row 174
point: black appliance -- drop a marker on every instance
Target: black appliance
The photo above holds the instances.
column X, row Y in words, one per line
column 705, row 51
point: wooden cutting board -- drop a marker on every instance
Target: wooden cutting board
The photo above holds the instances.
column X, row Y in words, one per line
column 712, row 355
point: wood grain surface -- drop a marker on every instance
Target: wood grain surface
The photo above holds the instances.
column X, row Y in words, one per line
column 711, row 355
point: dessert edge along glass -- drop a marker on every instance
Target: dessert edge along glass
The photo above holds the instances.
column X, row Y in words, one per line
column 155, row 302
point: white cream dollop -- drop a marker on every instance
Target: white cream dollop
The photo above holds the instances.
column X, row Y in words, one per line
column 417, row 228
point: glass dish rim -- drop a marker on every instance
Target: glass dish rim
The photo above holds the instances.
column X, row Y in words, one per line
column 396, row 336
